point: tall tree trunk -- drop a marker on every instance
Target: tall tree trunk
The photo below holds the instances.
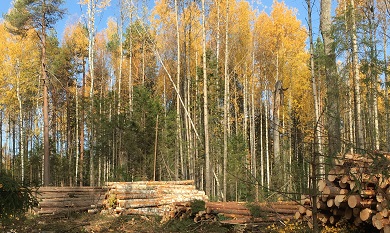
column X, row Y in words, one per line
column 253, row 137
column 91, row 43
column 226, row 104
column 275, row 123
column 21, row 128
column 316, row 157
column 267, row 141
column 131, row 65
column 333, row 114
column 46, row 145
column 205, row 105
column 356, row 82
column 77, row 136
column 317, row 130
column 178, row 122
column 386, row 96
column 82, row 126
column 121, row 18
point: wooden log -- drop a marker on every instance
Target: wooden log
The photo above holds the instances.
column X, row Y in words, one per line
column 354, row 201
column 145, row 211
column 231, row 211
column 322, row 184
column 256, row 220
column 309, row 213
column 305, row 200
column 380, row 196
column 344, row 180
column 226, row 205
column 323, row 218
column 331, row 191
column 330, row 203
column 56, row 211
column 383, row 182
column 297, row 215
column 126, row 196
column 343, row 185
column 366, row 214
column 332, row 175
column 177, row 182
column 352, row 184
column 302, row 209
column 66, row 203
column 384, row 212
column 386, row 229
column 322, row 205
column 380, row 223
column 340, row 198
column 68, row 189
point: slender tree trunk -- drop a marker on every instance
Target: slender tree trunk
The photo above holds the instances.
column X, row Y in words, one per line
column 120, row 55
column 333, row 114
column 386, row 96
column 205, row 105
column 253, row 138
column 317, row 130
column 21, row 128
column 82, row 126
column 77, row 136
column 316, row 157
column 356, row 82
column 267, row 142
column 131, row 64
column 226, row 104
column 46, row 174
column 178, row 122
column 91, row 43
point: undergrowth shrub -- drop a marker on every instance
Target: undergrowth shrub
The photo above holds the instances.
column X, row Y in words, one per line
column 15, row 199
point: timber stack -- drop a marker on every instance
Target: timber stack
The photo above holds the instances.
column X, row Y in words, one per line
column 65, row 200
column 243, row 213
column 357, row 190
column 152, row 197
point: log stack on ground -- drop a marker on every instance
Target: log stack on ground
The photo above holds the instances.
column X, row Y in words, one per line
column 243, row 213
column 356, row 190
column 65, row 200
column 163, row 198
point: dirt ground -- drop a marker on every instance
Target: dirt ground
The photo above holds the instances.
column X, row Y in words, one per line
column 83, row 222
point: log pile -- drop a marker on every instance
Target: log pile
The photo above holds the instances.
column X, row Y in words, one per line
column 242, row 213
column 65, row 200
column 163, row 198
column 355, row 190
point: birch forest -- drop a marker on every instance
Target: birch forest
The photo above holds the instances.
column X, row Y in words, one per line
column 241, row 100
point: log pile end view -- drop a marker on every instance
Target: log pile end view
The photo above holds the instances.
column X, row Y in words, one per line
column 356, row 189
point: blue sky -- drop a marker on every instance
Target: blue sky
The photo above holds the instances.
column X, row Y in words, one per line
column 75, row 11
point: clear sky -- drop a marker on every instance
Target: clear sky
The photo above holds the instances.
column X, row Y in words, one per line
column 75, row 11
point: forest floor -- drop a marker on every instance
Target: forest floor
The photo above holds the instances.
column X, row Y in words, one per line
column 83, row 222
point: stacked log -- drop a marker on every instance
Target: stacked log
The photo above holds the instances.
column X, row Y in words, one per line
column 151, row 197
column 65, row 200
column 356, row 190
column 240, row 212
